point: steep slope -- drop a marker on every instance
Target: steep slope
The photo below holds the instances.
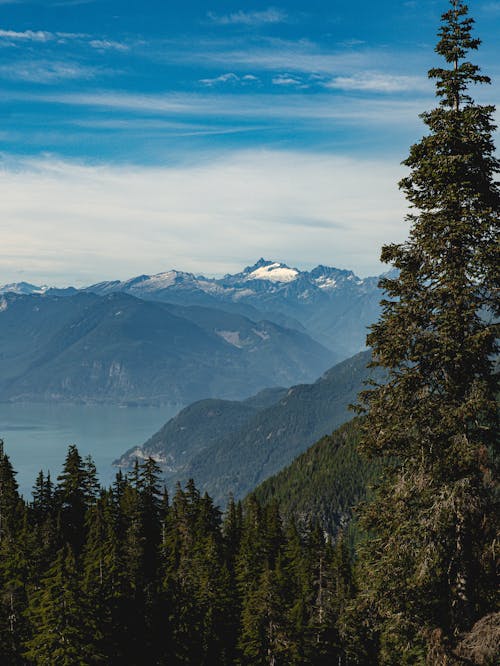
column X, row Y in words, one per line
column 230, row 447
column 324, row 483
column 276, row 435
column 198, row 426
column 118, row 348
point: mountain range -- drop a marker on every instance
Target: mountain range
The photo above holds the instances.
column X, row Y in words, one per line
column 79, row 346
column 331, row 305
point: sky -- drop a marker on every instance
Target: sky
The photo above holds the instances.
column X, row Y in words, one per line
column 137, row 137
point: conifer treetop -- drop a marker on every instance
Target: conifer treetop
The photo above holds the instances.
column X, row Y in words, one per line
column 455, row 42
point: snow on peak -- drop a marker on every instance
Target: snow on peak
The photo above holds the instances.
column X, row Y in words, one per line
column 159, row 281
column 22, row 288
column 274, row 273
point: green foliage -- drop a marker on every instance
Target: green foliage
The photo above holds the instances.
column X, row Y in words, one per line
column 428, row 568
column 153, row 581
column 325, row 483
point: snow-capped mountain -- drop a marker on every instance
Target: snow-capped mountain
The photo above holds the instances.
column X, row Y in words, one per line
column 332, row 305
column 22, row 288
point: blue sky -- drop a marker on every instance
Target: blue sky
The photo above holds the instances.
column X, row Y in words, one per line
column 141, row 136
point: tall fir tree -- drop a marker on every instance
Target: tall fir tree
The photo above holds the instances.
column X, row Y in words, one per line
column 62, row 627
column 428, row 568
column 71, row 499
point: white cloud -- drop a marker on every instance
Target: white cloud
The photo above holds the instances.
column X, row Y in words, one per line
column 342, row 109
column 61, row 222
column 223, row 78
column 286, row 80
column 39, row 71
column 27, row 35
column 108, row 45
column 252, row 18
column 230, row 78
column 379, row 82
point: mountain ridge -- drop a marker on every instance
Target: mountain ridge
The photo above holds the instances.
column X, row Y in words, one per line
column 118, row 348
column 333, row 306
column 229, row 448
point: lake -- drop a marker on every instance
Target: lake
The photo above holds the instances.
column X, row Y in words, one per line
column 37, row 436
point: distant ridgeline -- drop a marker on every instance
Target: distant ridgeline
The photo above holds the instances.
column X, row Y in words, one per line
column 230, row 447
column 176, row 337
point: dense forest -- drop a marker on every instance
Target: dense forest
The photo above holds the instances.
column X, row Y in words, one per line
column 325, row 483
column 127, row 575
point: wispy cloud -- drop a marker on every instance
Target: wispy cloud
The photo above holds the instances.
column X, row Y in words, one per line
column 27, row 35
column 47, row 72
column 249, row 18
column 286, row 80
column 283, row 55
column 230, row 78
column 45, row 36
column 279, row 108
column 304, row 207
column 108, row 45
column 379, row 82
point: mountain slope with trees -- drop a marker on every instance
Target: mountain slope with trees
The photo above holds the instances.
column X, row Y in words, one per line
column 325, row 483
column 208, row 442
column 117, row 348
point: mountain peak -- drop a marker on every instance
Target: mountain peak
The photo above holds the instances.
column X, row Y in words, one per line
column 22, row 288
column 272, row 271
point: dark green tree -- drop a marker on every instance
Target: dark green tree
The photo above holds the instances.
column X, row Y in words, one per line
column 71, row 499
column 62, row 627
column 428, row 570
column 266, row 635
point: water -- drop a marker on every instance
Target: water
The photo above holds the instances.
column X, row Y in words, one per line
column 37, row 436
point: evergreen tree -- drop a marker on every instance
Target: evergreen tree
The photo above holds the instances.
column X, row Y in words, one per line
column 9, row 496
column 427, row 571
column 266, row 635
column 71, row 498
column 61, row 631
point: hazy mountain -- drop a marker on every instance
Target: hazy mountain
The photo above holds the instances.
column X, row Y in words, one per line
column 197, row 427
column 22, row 288
column 118, row 348
column 333, row 306
column 230, row 447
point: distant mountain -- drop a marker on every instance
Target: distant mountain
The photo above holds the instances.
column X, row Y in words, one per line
column 196, row 427
column 324, row 483
column 231, row 447
column 334, row 306
column 331, row 305
column 22, row 288
column 118, row 348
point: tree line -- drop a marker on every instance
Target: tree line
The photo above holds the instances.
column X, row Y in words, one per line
column 126, row 575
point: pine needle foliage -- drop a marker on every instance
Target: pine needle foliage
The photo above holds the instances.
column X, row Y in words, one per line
column 433, row 516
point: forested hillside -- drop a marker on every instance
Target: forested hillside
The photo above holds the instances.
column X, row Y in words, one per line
column 323, row 484
column 231, row 447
